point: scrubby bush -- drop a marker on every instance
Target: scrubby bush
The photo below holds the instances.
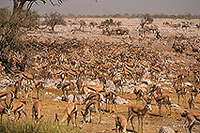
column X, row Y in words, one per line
column 29, row 126
column 53, row 19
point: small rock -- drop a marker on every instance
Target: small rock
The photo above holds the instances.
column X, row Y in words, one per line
column 57, row 98
column 120, row 100
column 166, row 129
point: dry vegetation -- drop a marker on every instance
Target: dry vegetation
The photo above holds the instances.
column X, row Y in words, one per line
column 137, row 60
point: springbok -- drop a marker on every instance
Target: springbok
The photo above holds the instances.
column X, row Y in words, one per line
column 135, row 110
column 88, row 110
column 70, row 109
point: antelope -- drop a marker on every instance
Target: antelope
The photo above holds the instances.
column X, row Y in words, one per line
column 94, row 88
column 36, row 111
column 28, row 89
column 5, row 109
column 71, row 86
column 139, row 95
column 165, row 100
column 196, row 91
column 110, row 100
column 120, row 121
column 26, row 75
column 70, row 109
column 79, row 84
column 17, row 88
column 193, row 119
column 182, row 92
column 93, row 96
column 7, row 96
column 158, row 90
column 191, row 101
column 18, row 107
column 92, row 104
column 39, row 86
column 134, row 110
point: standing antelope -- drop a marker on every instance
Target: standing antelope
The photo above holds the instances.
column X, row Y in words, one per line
column 110, row 100
column 89, row 106
column 120, row 121
column 139, row 95
column 94, row 88
column 191, row 101
column 163, row 100
column 36, row 111
column 79, row 84
column 192, row 117
column 39, row 86
column 70, row 109
column 134, row 110
column 65, row 89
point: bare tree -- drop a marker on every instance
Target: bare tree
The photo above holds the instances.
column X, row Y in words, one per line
column 147, row 19
column 19, row 4
column 54, row 19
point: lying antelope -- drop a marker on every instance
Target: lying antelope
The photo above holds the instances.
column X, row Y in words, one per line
column 70, row 109
column 134, row 110
column 193, row 119
column 121, row 122
column 89, row 106
column 36, row 111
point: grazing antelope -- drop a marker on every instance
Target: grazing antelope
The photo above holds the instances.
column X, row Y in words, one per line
column 5, row 110
column 36, row 111
column 120, row 121
column 70, row 109
column 163, row 100
column 191, row 101
column 7, row 96
column 18, row 107
column 193, row 119
column 94, row 96
column 89, row 106
column 134, row 110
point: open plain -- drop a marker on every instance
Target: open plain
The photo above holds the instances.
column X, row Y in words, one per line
column 140, row 61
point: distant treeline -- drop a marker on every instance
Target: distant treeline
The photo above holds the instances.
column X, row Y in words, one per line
column 126, row 15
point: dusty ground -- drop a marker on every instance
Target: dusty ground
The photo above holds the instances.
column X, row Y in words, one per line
column 152, row 122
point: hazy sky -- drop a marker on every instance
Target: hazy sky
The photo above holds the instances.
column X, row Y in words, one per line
column 85, row 7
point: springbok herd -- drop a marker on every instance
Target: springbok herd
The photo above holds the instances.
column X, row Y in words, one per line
column 94, row 74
